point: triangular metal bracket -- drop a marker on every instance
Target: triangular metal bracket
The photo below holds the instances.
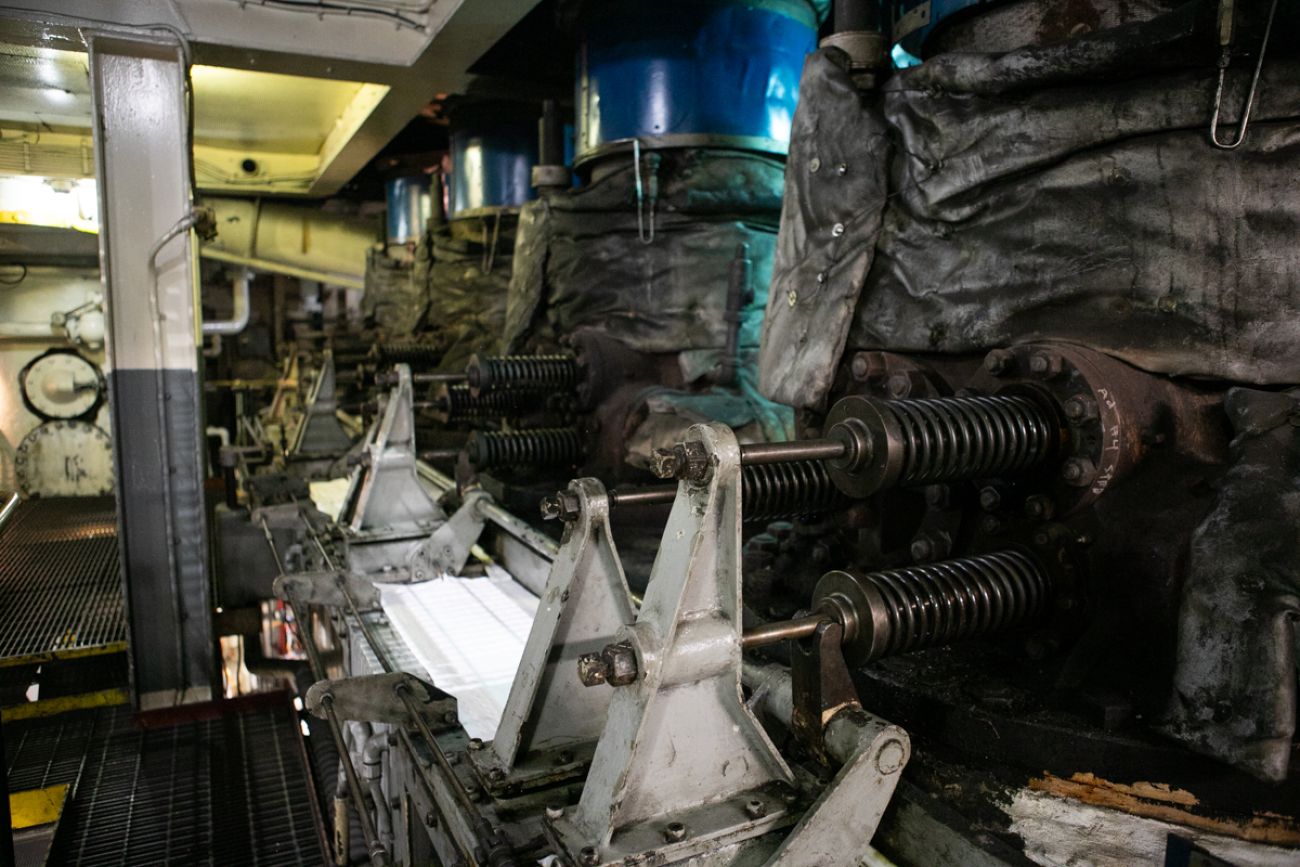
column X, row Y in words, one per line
column 551, row 721
column 683, row 767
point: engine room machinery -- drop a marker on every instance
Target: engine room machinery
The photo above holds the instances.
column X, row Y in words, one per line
column 1020, row 588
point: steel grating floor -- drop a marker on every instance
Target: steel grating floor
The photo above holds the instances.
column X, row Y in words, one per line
column 228, row 788
column 60, row 584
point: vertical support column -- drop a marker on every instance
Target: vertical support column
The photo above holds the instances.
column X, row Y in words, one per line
column 142, row 163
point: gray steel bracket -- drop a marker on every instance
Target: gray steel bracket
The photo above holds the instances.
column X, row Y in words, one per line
column 551, row 721
column 837, row 829
column 683, row 769
column 319, row 432
column 331, row 589
column 445, row 552
column 376, row 698
column 385, row 494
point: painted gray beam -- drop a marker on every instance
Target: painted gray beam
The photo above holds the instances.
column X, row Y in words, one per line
column 142, row 165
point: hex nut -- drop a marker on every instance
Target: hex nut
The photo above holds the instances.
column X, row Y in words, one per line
column 620, row 661
column 554, row 811
column 755, row 808
column 1046, row 365
column 689, row 460
column 674, row 832
column 588, row 856
column 1078, row 472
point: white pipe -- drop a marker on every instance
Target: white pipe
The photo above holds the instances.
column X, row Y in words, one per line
column 30, row 330
column 243, row 308
column 332, row 278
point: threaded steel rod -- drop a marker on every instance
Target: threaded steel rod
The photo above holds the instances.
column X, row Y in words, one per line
column 782, row 630
column 754, row 454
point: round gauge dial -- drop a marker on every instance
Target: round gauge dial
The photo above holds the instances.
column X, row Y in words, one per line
column 65, row 459
column 61, row 384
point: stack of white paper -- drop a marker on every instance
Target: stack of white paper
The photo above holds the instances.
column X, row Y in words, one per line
column 469, row 635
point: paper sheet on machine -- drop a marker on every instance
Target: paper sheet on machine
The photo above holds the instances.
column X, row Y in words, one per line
column 469, row 635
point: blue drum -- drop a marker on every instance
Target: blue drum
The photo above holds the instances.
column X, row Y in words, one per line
column 690, row 73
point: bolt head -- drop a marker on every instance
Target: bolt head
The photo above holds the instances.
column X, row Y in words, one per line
column 891, row 757
column 922, row 549
column 592, row 670
column 1078, row 472
column 1039, row 507
column 674, row 832
column 496, row 775
column 1080, row 408
column 1045, row 365
column 999, row 362
column 667, row 463
column 990, row 499
column 900, row 385
column 860, row 367
column 555, row 811
column 476, row 744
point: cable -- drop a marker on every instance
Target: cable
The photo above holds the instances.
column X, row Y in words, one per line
column 326, row 8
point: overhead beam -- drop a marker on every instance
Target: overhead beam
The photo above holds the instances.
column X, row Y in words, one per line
column 415, row 64
column 443, row 67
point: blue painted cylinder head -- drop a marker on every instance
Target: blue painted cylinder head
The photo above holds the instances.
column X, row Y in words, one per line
column 915, row 20
column 409, row 207
column 492, row 158
column 690, row 73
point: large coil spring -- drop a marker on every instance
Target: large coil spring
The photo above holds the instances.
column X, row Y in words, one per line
column 523, row 373
column 547, row 447
column 938, row 603
column 459, row 404
column 404, row 352
column 771, row 492
column 954, row 438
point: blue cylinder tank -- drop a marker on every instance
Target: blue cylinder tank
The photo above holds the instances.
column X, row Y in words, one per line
column 690, row 73
column 409, row 207
column 492, row 157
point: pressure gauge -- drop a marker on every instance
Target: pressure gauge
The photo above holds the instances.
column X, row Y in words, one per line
column 62, row 385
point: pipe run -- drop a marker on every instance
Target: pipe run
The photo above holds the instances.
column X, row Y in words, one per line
column 242, row 308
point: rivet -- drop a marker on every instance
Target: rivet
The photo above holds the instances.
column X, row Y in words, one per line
column 837, row 229
column 842, row 169
column 814, row 164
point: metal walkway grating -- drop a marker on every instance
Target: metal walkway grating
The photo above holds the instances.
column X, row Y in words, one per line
column 60, row 584
column 231, row 788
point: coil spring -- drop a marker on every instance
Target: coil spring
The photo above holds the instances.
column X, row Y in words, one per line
column 462, row 405
column 524, row 373
column 939, row 603
column 954, row 438
column 541, row 447
column 774, row 491
column 418, row 354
